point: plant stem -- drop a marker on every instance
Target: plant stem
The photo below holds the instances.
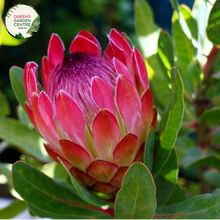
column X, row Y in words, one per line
column 201, row 103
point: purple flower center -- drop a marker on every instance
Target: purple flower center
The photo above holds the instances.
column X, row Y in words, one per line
column 74, row 77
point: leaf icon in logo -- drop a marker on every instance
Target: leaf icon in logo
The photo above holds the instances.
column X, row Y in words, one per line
column 34, row 26
column 19, row 36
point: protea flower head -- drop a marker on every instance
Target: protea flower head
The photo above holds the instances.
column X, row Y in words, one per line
column 95, row 111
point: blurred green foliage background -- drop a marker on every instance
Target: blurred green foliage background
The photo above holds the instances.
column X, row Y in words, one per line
column 66, row 18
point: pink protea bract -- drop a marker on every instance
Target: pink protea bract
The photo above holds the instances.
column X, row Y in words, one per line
column 95, row 111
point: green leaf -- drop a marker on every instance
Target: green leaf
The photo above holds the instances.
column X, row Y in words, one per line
column 213, row 28
column 212, row 177
column 165, row 52
column 25, row 139
column 17, row 82
column 166, row 179
column 149, row 150
column 178, row 195
column 181, row 146
column 51, row 197
column 190, row 21
column 195, row 77
column 41, row 213
column 23, row 117
column 5, row 169
column 193, row 154
column 201, row 10
column 210, row 115
column 83, row 192
column 55, row 170
column 185, row 51
column 147, row 31
column 31, row 161
column 137, row 198
column 186, row 21
column 199, row 207
column 175, row 4
column 216, row 76
column 170, row 122
column 160, row 93
column 190, row 28
column 3, row 146
column 216, row 141
column 210, row 161
column 16, row 207
column 193, row 188
column 4, row 106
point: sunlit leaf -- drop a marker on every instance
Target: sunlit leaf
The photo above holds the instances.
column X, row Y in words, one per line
column 13, row 209
column 55, row 170
column 1, row 30
column 165, row 52
column 8, row 40
column 3, row 146
column 2, row 3
column 200, row 12
column 147, row 30
column 147, row 33
column 185, row 51
column 5, row 169
column 190, row 21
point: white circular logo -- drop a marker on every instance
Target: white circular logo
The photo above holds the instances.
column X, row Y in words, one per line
column 22, row 21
